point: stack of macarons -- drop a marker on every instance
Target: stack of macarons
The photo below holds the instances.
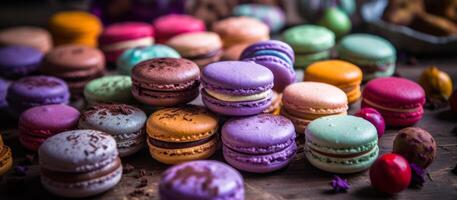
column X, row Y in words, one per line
column 373, row 54
column 76, row 64
column 75, row 27
column 124, row 123
column 310, row 42
column 277, row 56
column 207, row 50
column 129, row 58
column 41, row 122
column 181, row 134
column 30, row 36
column 171, row 25
column 178, row 82
column 304, row 102
column 17, row 61
column 341, row 74
column 241, row 30
column 6, row 158
column 122, row 36
column 236, row 88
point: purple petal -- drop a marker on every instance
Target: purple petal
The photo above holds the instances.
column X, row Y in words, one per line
column 339, row 185
column 417, row 179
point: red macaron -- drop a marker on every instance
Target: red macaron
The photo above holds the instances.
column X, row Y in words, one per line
column 399, row 100
column 391, row 173
column 171, row 25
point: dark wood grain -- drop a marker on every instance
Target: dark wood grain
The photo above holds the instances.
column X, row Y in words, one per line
column 299, row 180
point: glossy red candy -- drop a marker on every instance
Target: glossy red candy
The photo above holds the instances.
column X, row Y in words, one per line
column 390, row 173
column 453, row 101
column 374, row 117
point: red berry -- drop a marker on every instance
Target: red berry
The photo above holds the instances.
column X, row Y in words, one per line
column 390, row 173
column 374, row 117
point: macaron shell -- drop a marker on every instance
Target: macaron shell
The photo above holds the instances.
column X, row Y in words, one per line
column 109, row 89
column 6, row 159
column 235, row 108
column 170, row 25
column 334, row 72
column 125, row 31
column 284, row 74
column 182, row 124
column 366, row 47
column 176, row 156
column 73, row 60
column 398, row 119
column 195, row 44
column 395, row 92
column 309, row 38
column 31, row 36
column 165, row 99
column 237, row 30
column 274, row 45
column 64, row 22
column 299, row 123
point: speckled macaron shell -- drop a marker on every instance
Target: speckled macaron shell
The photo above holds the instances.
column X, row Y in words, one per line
column 109, row 89
column 124, row 122
column 309, row 38
column 260, row 144
column 341, row 144
column 201, row 179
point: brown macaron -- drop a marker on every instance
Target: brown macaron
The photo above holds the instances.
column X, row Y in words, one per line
column 165, row 81
column 76, row 64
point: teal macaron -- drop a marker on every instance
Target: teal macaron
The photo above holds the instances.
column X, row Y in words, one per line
column 131, row 57
column 373, row 54
column 310, row 42
column 341, row 144
column 109, row 89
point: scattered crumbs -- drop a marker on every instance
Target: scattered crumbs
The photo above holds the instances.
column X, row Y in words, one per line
column 137, row 193
column 142, row 173
column 128, row 168
column 435, row 103
column 143, row 183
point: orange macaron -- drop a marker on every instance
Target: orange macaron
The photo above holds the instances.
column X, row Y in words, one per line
column 75, row 27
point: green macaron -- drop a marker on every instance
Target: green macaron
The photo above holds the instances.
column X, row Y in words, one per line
column 341, row 143
column 373, row 54
column 109, row 89
column 131, row 57
column 307, row 40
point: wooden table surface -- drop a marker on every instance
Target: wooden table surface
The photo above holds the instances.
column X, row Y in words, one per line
column 299, row 180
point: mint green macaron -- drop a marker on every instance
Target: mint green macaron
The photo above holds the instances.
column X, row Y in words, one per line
column 109, row 89
column 309, row 39
column 341, row 144
column 131, row 57
column 373, row 54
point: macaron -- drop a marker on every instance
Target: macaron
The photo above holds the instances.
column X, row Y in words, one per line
column 109, row 89
column 30, row 36
column 6, row 158
column 34, row 91
column 416, row 145
column 41, row 122
column 233, row 53
column 236, row 88
column 129, row 58
column 203, row 179
column 79, row 163
column 277, row 56
column 336, row 20
column 273, row 16
column 202, row 48
column 75, row 27
column 341, row 74
column 18, row 61
column 304, row 102
column 260, row 143
column 178, row 82
column 400, row 101
column 171, row 25
column 182, row 134
column 76, row 64
column 241, row 30
column 4, row 84
column 311, row 43
column 275, row 106
column 116, row 38
column 123, row 122
column 373, row 54
column 341, row 144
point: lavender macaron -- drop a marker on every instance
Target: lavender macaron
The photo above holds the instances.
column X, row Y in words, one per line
column 34, row 91
column 276, row 56
column 201, row 180
column 124, row 122
column 17, row 61
column 79, row 163
column 236, row 88
column 260, row 144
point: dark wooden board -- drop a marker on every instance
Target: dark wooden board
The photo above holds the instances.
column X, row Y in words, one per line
column 299, row 180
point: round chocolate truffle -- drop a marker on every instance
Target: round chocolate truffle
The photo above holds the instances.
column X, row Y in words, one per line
column 416, row 145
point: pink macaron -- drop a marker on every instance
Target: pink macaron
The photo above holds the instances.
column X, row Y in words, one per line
column 39, row 123
column 400, row 101
column 171, row 25
column 122, row 36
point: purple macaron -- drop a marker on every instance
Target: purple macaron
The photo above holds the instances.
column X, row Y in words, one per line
column 259, row 144
column 236, row 88
column 276, row 56
column 201, row 180
column 17, row 61
column 34, row 91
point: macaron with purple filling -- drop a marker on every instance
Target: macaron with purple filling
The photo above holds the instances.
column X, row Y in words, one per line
column 237, row 88
column 260, row 143
column 124, row 122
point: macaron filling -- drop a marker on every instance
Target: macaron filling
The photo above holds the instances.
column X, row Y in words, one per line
column 383, row 107
column 284, row 57
column 209, row 54
column 179, row 145
column 348, row 160
column 280, row 157
column 236, row 98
